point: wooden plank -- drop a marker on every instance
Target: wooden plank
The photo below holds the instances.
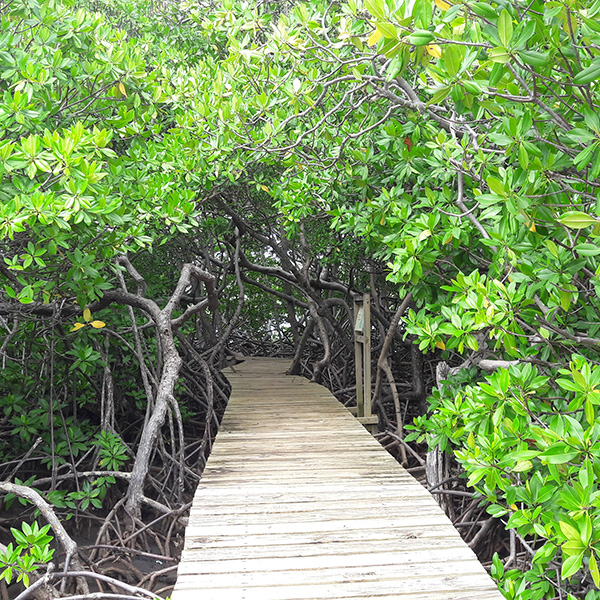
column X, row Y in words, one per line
column 216, row 489
column 296, row 477
column 298, row 451
column 352, row 517
column 435, row 534
column 284, row 502
column 292, row 527
column 413, row 574
column 299, row 502
column 396, row 594
column 187, row 588
column 219, row 549
column 310, row 456
column 424, row 557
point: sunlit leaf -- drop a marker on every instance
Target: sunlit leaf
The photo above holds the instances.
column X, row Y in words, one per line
column 374, row 38
column 571, row 565
column 577, row 220
column 568, row 530
column 375, row 7
column 594, row 569
column 434, row 50
column 499, row 55
column 387, row 30
column 505, row 27
column 522, row 466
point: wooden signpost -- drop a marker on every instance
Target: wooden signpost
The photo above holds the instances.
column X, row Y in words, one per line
column 362, row 358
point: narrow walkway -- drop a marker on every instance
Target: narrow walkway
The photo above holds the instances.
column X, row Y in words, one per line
column 299, row 502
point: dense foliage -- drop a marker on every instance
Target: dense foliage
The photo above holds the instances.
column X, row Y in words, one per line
column 452, row 148
column 462, row 142
column 90, row 173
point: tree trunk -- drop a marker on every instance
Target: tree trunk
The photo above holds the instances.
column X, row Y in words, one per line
column 170, row 374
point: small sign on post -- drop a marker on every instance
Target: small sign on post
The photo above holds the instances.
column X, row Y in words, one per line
column 362, row 360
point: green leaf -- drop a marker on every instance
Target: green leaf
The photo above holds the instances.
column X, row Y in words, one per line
column 571, row 565
column 499, row 55
column 588, row 249
column 496, row 510
column 588, row 75
column 583, row 158
column 545, row 553
column 593, row 564
column 395, row 68
column 523, row 157
column 483, row 9
column 452, row 59
column 568, row 530
column 440, row 94
column 505, row 27
column 577, row 220
column 590, row 412
column 552, row 247
column 559, row 454
column 522, row 466
column 568, row 384
column 523, row 34
column 496, row 186
column 534, row 58
column 421, row 37
column 376, row 8
column 387, row 30
column 476, row 476
column 496, row 74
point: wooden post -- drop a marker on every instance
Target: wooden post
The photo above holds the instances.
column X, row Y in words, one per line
column 367, row 356
column 362, row 358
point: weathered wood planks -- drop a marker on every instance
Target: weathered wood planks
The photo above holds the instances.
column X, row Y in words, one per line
column 299, row 502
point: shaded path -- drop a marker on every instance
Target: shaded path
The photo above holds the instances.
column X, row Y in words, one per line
column 298, row 501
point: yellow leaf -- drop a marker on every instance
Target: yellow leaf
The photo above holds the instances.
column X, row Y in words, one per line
column 532, row 227
column 87, row 315
column 122, row 89
column 440, row 345
column 442, row 5
column 434, row 50
column 98, row 324
column 77, row 326
column 514, row 507
column 375, row 37
column 264, row 188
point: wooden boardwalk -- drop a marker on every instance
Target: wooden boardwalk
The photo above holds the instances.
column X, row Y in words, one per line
column 299, row 502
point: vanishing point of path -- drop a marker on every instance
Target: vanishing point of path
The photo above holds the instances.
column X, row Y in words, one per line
column 299, row 502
